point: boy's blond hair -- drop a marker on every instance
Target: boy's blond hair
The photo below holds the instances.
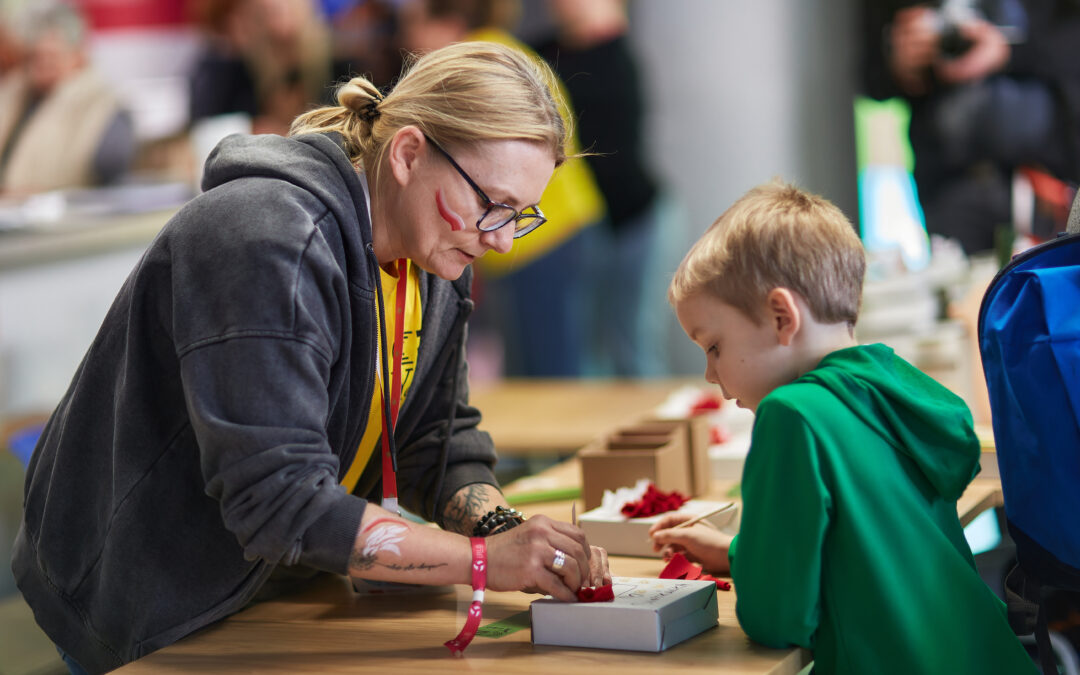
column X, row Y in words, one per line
column 777, row 235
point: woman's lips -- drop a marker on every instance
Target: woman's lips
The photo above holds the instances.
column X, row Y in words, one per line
column 455, row 221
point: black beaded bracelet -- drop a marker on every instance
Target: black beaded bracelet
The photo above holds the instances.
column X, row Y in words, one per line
column 499, row 520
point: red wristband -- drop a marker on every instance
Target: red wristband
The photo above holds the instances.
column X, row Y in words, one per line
column 479, row 582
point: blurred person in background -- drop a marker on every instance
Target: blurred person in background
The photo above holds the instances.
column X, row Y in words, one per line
column 591, row 54
column 364, row 39
column 539, row 296
column 11, row 49
column 61, row 126
column 994, row 86
column 269, row 59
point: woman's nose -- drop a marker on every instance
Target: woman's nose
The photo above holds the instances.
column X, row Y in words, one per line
column 499, row 240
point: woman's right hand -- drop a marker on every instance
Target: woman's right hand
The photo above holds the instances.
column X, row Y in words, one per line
column 699, row 543
column 523, row 559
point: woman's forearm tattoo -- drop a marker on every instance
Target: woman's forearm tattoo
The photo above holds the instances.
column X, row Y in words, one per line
column 383, row 536
column 466, row 507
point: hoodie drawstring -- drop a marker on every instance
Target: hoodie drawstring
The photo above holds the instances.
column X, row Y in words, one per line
column 444, row 451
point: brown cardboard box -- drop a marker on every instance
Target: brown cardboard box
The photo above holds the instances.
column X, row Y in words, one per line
column 698, row 439
column 619, row 460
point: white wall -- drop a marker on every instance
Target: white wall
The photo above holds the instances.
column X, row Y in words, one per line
column 739, row 92
column 49, row 315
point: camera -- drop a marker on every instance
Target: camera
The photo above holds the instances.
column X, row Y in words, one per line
column 1009, row 16
column 949, row 16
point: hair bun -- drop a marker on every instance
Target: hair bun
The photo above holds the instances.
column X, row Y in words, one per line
column 369, row 112
column 362, row 98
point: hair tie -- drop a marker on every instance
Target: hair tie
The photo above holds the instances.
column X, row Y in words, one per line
column 370, row 112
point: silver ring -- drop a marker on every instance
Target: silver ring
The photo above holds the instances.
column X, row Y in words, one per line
column 560, row 560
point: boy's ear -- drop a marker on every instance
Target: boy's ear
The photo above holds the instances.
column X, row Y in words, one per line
column 404, row 151
column 783, row 314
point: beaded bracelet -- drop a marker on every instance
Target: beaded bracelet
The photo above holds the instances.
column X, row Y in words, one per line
column 499, row 520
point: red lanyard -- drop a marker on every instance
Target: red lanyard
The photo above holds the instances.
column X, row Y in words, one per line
column 389, row 478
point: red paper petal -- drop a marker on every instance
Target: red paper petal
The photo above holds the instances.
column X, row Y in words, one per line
column 654, row 502
column 680, row 568
column 705, row 403
column 598, row 594
column 719, row 434
column 720, row 583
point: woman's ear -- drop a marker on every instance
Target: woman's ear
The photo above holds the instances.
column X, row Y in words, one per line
column 405, row 149
column 784, row 315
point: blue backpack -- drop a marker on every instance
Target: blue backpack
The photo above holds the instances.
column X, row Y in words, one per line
column 1029, row 338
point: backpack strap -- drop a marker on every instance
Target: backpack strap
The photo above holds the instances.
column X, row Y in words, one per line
column 1027, row 614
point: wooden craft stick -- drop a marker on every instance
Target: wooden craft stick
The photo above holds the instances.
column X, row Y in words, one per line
column 698, row 519
column 573, row 513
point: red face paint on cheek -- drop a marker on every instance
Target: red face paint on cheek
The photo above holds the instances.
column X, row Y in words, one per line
column 456, row 224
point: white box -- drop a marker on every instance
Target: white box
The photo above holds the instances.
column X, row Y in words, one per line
column 647, row 615
column 630, row 536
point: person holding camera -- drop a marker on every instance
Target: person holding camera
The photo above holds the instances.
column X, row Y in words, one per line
column 993, row 86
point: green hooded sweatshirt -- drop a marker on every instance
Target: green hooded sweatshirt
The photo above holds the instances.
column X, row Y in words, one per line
column 850, row 544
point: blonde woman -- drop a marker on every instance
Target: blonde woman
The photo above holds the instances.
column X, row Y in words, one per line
column 228, row 418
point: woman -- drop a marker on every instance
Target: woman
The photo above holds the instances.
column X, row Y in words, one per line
column 222, row 421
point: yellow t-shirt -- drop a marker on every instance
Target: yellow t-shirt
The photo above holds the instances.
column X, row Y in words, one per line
column 571, row 201
column 410, row 346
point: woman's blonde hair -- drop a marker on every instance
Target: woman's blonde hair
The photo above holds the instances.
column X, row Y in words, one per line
column 460, row 94
column 778, row 236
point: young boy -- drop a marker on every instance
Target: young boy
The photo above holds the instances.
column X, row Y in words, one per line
column 850, row 543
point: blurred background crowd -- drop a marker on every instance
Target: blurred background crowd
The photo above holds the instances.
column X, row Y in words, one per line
column 945, row 130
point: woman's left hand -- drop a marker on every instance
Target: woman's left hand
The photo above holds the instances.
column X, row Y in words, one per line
column 599, row 573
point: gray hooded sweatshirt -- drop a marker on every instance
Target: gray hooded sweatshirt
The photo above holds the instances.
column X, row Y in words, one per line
column 203, row 437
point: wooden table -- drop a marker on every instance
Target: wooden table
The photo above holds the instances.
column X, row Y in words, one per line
column 557, row 417
column 327, row 628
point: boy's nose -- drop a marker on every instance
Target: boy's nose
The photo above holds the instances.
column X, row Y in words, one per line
column 710, row 376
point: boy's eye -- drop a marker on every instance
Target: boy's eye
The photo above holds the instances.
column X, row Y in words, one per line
column 712, row 350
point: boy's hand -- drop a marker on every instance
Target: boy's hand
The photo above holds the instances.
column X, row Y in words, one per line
column 669, row 520
column 699, row 543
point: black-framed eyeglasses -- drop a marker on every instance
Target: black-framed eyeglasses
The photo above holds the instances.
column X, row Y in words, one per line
column 495, row 213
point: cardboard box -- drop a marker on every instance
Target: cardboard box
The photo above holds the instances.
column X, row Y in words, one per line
column 648, row 615
column 630, row 536
column 617, row 460
column 698, row 440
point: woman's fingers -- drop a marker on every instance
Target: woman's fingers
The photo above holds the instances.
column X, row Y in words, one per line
column 526, row 557
column 600, row 574
column 547, row 556
column 554, row 585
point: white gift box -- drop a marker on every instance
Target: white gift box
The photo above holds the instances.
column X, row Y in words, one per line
column 648, row 615
column 619, row 535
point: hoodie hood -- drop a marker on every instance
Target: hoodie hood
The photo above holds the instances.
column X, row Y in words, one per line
column 931, row 425
column 300, row 160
